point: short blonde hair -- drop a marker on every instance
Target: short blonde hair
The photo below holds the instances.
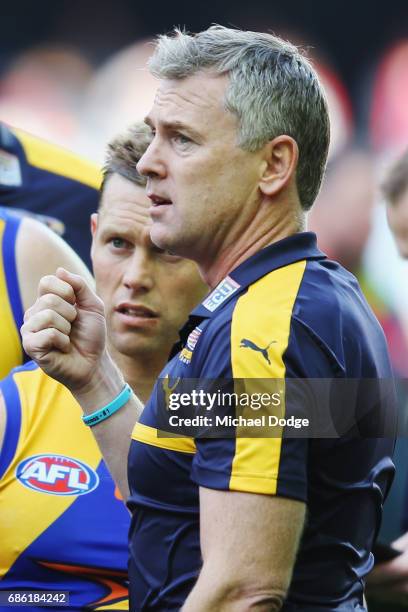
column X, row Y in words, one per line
column 124, row 152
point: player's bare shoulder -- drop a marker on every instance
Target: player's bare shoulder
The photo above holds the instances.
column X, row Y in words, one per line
column 40, row 251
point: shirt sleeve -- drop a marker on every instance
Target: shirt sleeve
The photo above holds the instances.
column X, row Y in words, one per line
column 275, row 461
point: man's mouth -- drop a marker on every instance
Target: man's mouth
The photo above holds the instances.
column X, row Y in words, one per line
column 159, row 200
column 137, row 311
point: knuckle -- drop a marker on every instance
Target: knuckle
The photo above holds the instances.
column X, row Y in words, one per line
column 48, row 315
column 66, row 291
column 32, row 343
column 49, row 300
column 27, row 327
column 25, row 339
column 53, row 335
column 46, row 318
column 46, row 281
column 71, row 313
column 40, row 304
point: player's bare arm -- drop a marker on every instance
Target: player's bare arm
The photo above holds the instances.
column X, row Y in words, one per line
column 65, row 333
column 252, row 568
column 54, row 252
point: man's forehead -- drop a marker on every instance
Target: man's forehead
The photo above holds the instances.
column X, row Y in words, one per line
column 133, row 226
column 124, row 204
column 126, row 212
column 120, row 191
column 198, row 93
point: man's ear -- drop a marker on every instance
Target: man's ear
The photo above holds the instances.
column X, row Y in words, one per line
column 94, row 223
column 94, row 227
column 280, row 162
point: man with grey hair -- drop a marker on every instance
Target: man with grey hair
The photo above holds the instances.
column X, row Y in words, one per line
column 395, row 192
column 388, row 582
column 241, row 134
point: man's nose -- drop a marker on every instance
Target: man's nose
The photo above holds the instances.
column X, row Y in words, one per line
column 151, row 163
column 139, row 273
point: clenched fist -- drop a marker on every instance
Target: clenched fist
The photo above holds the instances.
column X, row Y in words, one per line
column 65, row 330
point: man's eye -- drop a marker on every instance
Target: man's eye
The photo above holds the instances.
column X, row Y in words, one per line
column 181, row 139
column 118, row 243
column 166, row 256
column 170, row 257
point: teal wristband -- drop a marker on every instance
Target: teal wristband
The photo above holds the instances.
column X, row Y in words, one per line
column 104, row 413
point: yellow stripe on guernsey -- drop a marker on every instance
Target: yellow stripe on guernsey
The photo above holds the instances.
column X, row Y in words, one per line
column 255, row 466
column 119, row 605
column 51, row 424
column 55, row 159
column 150, row 435
column 11, row 351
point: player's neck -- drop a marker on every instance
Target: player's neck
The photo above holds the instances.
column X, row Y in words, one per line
column 141, row 374
column 245, row 246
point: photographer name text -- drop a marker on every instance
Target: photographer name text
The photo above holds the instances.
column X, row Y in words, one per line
column 238, row 421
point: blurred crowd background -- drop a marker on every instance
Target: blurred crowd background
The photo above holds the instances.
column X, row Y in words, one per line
column 74, row 73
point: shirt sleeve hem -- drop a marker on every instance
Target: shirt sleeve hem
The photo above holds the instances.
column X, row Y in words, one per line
column 249, row 483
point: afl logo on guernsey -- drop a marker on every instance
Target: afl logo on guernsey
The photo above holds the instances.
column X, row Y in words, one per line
column 57, row 475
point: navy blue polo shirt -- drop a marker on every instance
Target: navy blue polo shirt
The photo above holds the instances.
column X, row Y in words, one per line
column 44, row 179
column 285, row 313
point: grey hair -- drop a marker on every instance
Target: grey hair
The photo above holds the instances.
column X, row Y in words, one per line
column 395, row 182
column 273, row 90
